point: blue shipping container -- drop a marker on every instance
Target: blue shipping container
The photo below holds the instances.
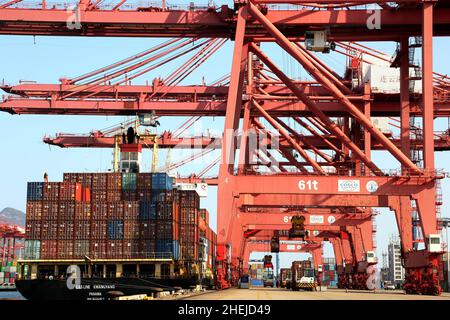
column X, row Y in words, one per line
column 115, row 229
column 171, row 246
column 257, row 282
column 35, row 191
column 161, row 181
column 147, row 210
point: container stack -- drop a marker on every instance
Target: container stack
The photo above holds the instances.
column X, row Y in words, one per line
column 116, row 216
column 189, row 204
column 285, row 275
column 329, row 275
column 167, row 217
column 50, row 220
column 208, row 238
column 298, row 269
column 256, row 274
column 8, row 272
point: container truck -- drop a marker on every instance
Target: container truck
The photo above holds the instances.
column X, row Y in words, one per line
column 303, row 276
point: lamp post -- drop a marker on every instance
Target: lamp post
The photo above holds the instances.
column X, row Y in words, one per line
column 446, row 225
column 448, row 264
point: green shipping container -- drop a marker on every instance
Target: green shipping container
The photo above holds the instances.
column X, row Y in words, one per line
column 129, row 181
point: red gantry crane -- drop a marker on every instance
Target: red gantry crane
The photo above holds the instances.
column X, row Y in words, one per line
column 267, row 162
column 10, row 237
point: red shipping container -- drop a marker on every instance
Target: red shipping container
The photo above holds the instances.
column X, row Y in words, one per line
column 100, row 181
column 130, row 210
column 98, row 249
column 189, row 251
column 81, row 249
column 167, row 229
column 147, row 248
column 99, row 195
column 115, row 210
column 99, row 229
column 99, row 210
column 34, row 210
column 85, row 179
column 82, row 229
column 66, row 210
column 188, row 215
column 114, row 181
column 49, row 230
column 71, row 191
column 176, row 211
column 49, row 249
column 202, row 225
column 144, row 181
column 130, row 249
column 51, row 191
column 131, row 229
column 86, row 195
column 144, row 195
column 127, row 249
column 204, row 214
column 66, row 230
column 65, row 249
column 189, row 199
column 129, row 195
column 83, row 211
column 113, row 195
column 114, row 249
column 50, row 210
column 33, row 229
column 69, row 177
column 147, row 230
column 189, row 233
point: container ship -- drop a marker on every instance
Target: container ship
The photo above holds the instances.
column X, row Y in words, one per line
column 96, row 235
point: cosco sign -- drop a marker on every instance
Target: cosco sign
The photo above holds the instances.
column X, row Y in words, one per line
column 349, row 185
column 308, row 185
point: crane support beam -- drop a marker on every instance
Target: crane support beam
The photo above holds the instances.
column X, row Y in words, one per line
column 203, row 108
column 345, row 25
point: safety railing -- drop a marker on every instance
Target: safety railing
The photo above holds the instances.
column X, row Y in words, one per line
column 316, row 7
column 438, row 173
column 127, row 6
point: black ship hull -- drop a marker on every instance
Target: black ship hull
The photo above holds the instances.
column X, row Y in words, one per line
column 99, row 288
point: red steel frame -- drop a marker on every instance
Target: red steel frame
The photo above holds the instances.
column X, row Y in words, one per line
column 253, row 94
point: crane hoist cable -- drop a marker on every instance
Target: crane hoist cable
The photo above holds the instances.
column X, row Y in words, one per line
column 123, row 62
column 125, row 71
column 188, row 159
column 138, row 73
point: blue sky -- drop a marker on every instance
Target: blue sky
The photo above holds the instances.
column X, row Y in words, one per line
column 44, row 59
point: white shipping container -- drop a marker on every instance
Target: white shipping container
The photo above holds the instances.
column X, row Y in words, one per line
column 384, row 79
column 2, row 274
column 381, row 123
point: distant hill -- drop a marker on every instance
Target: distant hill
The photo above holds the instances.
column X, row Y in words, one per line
column 12, row 216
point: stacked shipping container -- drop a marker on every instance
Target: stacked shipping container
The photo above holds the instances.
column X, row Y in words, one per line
column 51, row 216
column 115, row 215
column 256, row 274
column 329, row 274
column 8, row 272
